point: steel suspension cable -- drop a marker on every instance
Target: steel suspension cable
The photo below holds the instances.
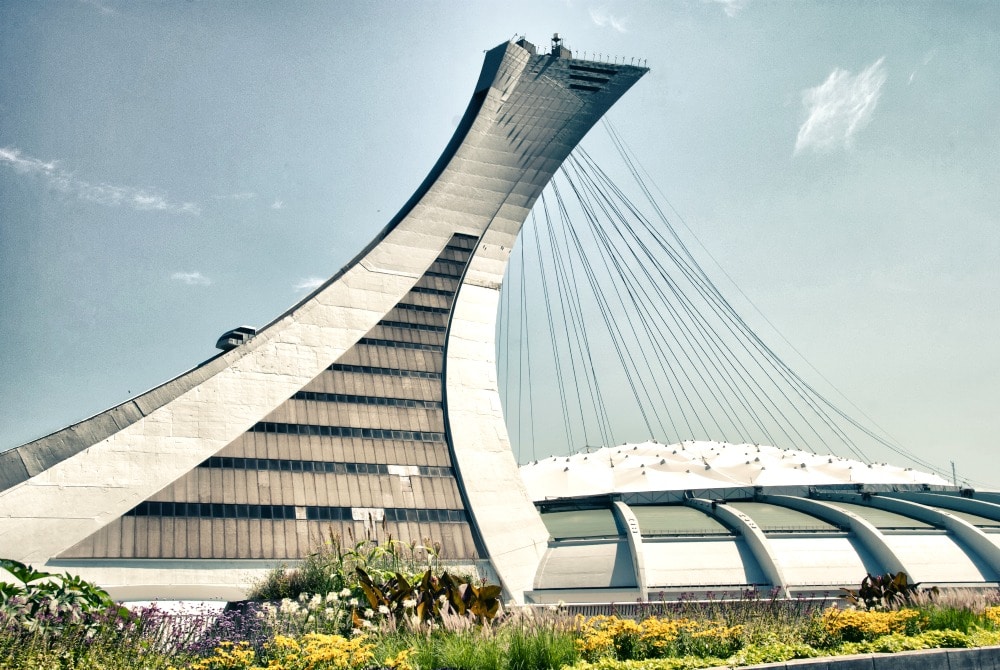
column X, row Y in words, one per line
column 818, row 398
column 550, row 320
column 714, row 299
column 613, row 329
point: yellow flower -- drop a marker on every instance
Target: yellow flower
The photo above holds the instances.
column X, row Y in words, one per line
column 400, row 661
column 857, row 625
column 228, row 656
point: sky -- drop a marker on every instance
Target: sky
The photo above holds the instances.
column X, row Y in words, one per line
column 170, row 170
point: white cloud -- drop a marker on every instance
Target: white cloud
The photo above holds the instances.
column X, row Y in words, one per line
column 730, row 7
column 278, row 204
column 309, row 284
column 191, row 278
column 602, row 19
column 840, row 107
column 102, row 194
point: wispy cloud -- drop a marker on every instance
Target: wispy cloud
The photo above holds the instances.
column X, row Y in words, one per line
column 278, row 204
column 241, row 195
column 927, row 59
column 603, row 19
column 730, row 7
column 840, row 107
column 309, row 284
column 103, row 193
column 191, row 278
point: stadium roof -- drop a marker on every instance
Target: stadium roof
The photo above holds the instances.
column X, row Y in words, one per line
column 695, row 465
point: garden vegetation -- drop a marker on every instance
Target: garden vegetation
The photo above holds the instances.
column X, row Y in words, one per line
column 389, row 605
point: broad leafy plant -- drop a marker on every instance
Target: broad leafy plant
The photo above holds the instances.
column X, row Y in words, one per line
column 882, row 592
column 39, row 601
column 428, row 595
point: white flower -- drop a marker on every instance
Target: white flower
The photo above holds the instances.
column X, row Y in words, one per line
column 369, row 613
column 345, row 592
column 302, row 597
column 382, row 609
column 329, row 612
column 409, row 603
column 331, row 597
column 315, row 602
column 353, row 602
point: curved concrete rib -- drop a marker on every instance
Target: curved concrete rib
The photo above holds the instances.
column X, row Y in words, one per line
column 751, row 532
column 634, row 536
column 870, row 536
column 960, row 528
column 527, row 112
column 957, row 503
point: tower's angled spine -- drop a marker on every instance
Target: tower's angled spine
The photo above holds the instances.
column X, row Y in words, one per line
column 370, row 406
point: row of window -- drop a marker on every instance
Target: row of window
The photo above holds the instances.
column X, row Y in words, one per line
column 588, row 78
column 345, row 431
column 442, row 274
column 432, row 291
column 463, row 241
column 597, row 70
column 397, row 514
column 451, row 261
column 366, row 400
column 397, row 344
column 212, row 510
column 412, row 326
column 287, row 512
column 423, row 308
column 392, row 372
column 286, row 465
column 448, row 267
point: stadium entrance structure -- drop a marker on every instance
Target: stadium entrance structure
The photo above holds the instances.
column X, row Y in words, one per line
column 372, row 401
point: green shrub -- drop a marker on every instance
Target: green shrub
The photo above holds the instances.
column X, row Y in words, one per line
column 772, row 652
column 44, row 600
column 332, row 567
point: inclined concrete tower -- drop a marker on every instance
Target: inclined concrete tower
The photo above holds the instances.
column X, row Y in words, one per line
column 371, row 404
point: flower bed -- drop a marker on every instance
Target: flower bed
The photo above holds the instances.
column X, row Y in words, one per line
column 365, row 615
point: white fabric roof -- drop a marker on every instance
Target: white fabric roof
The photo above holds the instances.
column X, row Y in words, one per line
column 651, row 466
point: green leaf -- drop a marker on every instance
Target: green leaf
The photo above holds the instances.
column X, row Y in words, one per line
column 22, row 572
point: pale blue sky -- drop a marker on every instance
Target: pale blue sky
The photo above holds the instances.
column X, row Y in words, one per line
column 169, row 170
